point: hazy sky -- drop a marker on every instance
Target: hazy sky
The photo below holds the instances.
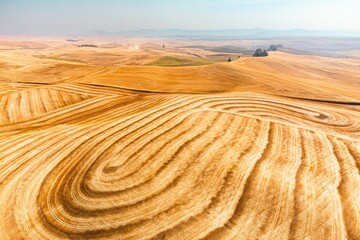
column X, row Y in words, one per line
column 81, row 16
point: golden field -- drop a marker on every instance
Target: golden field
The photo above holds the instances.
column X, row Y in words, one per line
column 107, row 143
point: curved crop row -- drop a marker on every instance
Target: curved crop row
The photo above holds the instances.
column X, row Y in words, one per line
column 115, row 164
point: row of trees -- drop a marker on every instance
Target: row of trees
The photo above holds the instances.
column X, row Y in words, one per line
column 87, row 45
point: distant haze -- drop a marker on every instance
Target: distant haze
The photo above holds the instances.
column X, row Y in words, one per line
column 40, row 17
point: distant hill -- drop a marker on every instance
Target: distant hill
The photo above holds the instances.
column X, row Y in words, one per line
column 239, row 33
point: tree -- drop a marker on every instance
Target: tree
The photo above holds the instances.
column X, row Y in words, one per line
column 258, row 52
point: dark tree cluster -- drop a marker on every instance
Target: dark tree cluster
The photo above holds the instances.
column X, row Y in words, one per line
column 274, row 47
column 260, row 53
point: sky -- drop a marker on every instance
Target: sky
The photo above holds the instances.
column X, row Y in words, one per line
column 82, row 16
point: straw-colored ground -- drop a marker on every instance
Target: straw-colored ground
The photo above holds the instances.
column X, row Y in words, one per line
column 94, row 147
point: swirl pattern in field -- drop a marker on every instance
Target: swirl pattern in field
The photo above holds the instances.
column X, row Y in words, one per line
column 79, row 162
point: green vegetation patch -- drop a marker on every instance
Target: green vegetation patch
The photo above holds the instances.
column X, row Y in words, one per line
column 175, row 61
column 58, row 58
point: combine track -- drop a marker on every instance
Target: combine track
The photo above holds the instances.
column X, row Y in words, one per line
column 78, row 162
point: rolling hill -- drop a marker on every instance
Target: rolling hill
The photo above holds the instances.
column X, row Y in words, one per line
column 259, row 148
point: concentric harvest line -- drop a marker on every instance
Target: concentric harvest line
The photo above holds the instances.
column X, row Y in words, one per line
column 84, row 162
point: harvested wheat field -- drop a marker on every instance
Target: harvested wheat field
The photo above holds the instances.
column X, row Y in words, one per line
column 95, row 146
